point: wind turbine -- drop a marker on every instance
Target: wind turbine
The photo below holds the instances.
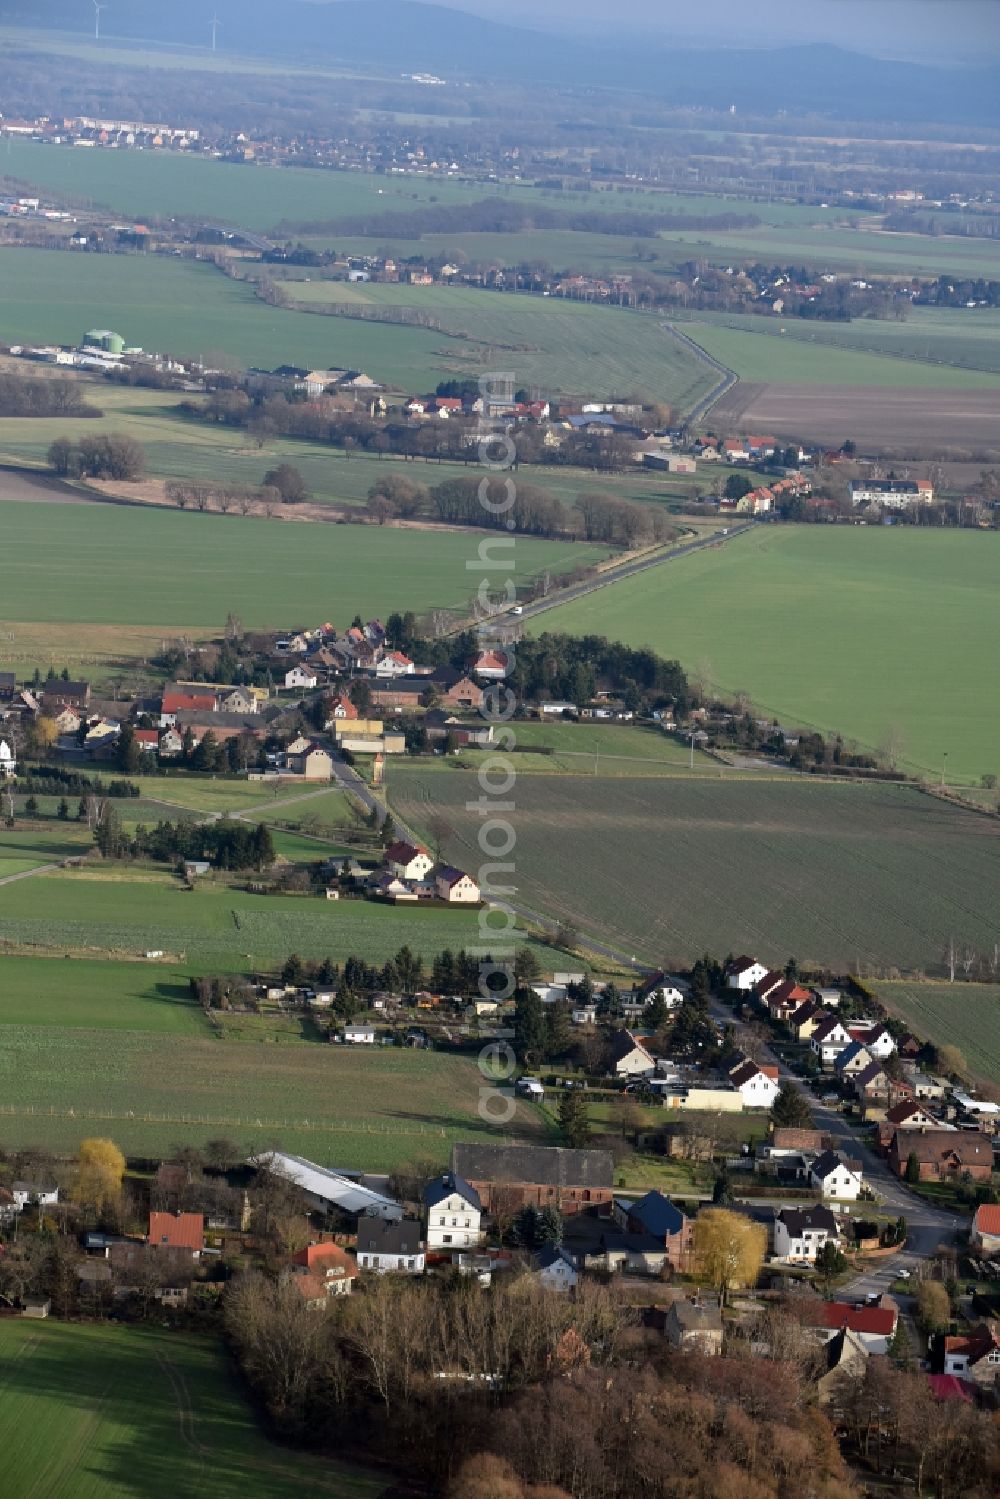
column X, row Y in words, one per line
column 215, row 23
column 97, row 19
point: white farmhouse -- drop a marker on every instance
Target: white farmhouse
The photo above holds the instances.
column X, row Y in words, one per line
column 408, row 861
column 454, row 1213
column 385, row 1245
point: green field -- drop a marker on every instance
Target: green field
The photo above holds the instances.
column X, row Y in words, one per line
column 96, row 564
column 192, row 311
column 960, row 336
column 851, row 630
column 118, row 912
column 666, row 868
column 70, row 994
column 864, row 252
column 353, row 1107
column 758, row 357
column 105, row 1412
column 962, row 1015
column 28, row 848
column 589, row 749
column 553, row 344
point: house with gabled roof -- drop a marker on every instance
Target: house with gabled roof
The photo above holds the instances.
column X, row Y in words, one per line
column 942, row 1155
column 874, row 1325
column 340, row 709
column 757, row 1085
column 852, row 1060
column 629, row 1058
column 800, row 1233
column 492, row 666
column 455, row 886
column 806, row 1018
column 453, row 1212
column 975, row 1356
column 408, row 861
column 846, row 1362
column 769, row 979
column 906, row 1115
column 873, row 1086
column 331, row 1266
column 744, row 973
column 828, row 1040
column 178, row 1231
column 836, row 1177
column 784, row 999
column 658, row 1217
column 537, row 1175
column 984, row 1236
column 876, row 1038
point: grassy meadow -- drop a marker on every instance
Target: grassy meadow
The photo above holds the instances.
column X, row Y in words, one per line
column 127, row 1411
column 29, row 848
column 111, row 565
column 668, row 867
column 854, row 630
column 962, row 1015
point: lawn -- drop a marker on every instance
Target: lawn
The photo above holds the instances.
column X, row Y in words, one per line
column 118, row 911
column 357, row 1108
column 852, row 630
column 587, row 749
column 108, row 1412
column 962, row 1015
column 95, row 564
column 840, row 875
column 757, row 356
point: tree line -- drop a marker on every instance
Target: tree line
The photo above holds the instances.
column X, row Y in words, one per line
column 108, row 456
column 38, row 396
column 226, row 844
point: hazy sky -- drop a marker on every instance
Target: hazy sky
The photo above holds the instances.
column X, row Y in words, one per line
column 940, row 30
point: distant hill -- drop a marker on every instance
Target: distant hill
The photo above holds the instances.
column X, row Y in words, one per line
column 401, row 36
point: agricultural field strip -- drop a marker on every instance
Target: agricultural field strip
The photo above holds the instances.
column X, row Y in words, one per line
column 916, row 608
column 766, row 856
column 965, row 1015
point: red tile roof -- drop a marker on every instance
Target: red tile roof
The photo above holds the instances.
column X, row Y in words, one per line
column 987, row 1219
column 179, row 702
column 877, row 1321
column 326, row 1259
column 177, row 1230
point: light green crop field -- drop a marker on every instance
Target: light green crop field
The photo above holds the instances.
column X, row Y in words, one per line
column 128, row 1411
column 119, row 911
column 552, row 343
column 217, row 795
column 856, row 630
column 77, row 994
column 962, row 1015
column 757, row 356
column 589, row 749
column 666, row 868
column 97, row 564
column 961, row 336
column 360, row 1108
column 865, row 252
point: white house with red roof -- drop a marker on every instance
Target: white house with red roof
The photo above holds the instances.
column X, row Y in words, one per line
column 340, row 709
column 184, row 702
column 876, row 1039
column 874, row 1325
column 394, row 664
column 985, row 1234
column 758, row 1086
column 492, row 666
column 408, row 861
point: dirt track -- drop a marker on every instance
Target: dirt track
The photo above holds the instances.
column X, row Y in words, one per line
column 912, row 423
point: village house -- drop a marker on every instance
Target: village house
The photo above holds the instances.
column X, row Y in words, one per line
column 359, row 1035
column 874, row 1325
column 173, row 703
column 455, row 886
column 407, row 861
column 300, row 676
column 390, row 1245
column 758, row 1086
column 853, row 1059
column 328, row 1265
column 340, row 709
column 8, row 761
column 313, row 763
column 846, row 1362
column 629, row 1058
column 876, row 1039
column 180, row 1231
column 975, row 1356
column 394, row 664
column 454, row 1213
column 828, row 1040
column 553, row 1268
column 33, row 1194
column 906, row 1115
column 657, row 1217
column 942, row 1155
column 835, row 1177
column 516, row 1176
column 800, row 1233
column 744, row 974
column 694, row 1327
column 985, row 1235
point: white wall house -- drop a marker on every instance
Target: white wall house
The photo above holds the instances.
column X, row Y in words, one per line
column 298, row 676
column 757, row 1088
column 835, row 1178
column 408, row 861
column 359, row 1035
column 455, row 886
column 800, row 1233
column 555, row 1271
column 745, row 974
column 385, row 1246
column 454, row 1213
column 31, row 1194
column 8, row 761
column 828, row 1041
column 629, row 1058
